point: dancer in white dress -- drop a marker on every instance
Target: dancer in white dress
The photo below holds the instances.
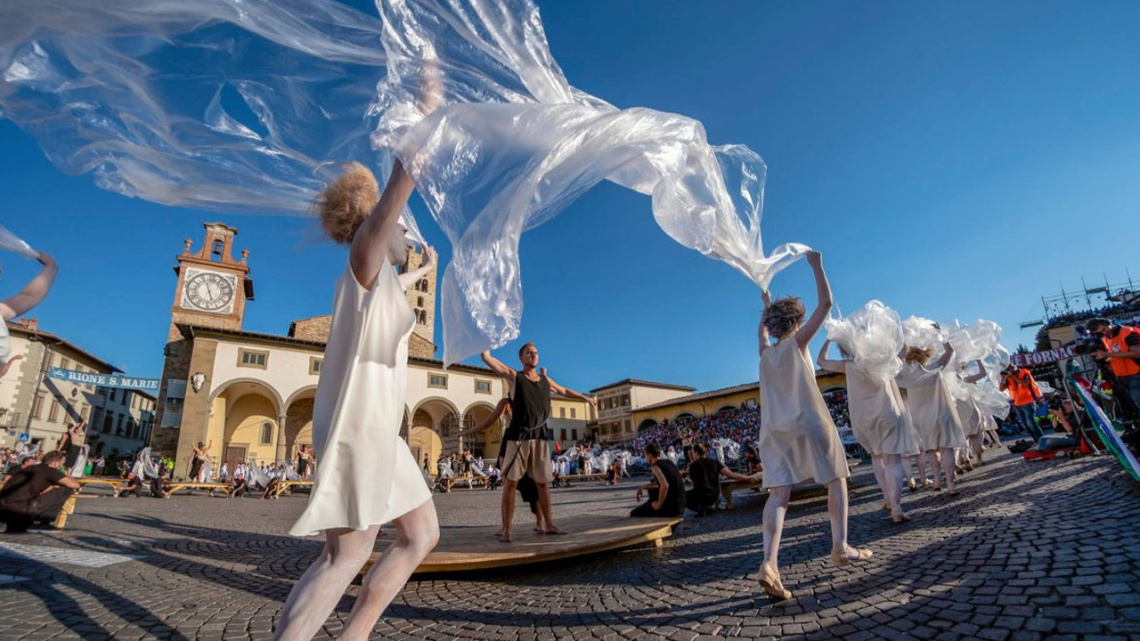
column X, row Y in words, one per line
column 798, row 440
column 932, row 409
column 972, row 416
column 367, row 474
column 881, row 422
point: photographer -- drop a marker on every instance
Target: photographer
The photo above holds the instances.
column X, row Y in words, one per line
column 1025, row 394
column 1121, row 352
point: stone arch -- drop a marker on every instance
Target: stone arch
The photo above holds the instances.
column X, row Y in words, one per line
column 243, row 386
column 486, row 443
column 727, row 408
column 647, row 424
column 684, row 416
column 434, row 430
column 298, row 422
column 247, row 417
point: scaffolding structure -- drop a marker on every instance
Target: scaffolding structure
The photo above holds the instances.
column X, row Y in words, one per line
column 1086, row 300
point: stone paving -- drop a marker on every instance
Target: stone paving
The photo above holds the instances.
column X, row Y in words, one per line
column 1044, row 550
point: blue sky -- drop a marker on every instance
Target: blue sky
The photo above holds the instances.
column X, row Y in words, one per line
column 955, row 160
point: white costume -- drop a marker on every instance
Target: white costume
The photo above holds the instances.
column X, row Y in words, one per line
column 798, row 440
column 931, row 408
column 367, row 475
column 879, row 417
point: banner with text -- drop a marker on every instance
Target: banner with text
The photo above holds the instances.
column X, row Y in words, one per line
column 104, row 380
column 1029, row 359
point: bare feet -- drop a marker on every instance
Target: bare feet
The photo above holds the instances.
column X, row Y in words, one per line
column 506, row 537
column 952, row 492
column 899, row 517
column 554, row 529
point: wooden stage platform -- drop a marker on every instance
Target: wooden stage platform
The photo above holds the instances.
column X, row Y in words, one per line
column 463, row 549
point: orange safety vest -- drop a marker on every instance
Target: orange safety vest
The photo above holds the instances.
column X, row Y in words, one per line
column 1116, row 344
column 1022, row 388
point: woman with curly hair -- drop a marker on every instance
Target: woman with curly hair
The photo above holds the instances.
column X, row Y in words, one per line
column 367, row 475
column 798, row 440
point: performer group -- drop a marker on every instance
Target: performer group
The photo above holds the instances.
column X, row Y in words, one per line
column 367, row 476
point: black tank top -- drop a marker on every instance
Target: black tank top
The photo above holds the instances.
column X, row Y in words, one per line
column 530, row 409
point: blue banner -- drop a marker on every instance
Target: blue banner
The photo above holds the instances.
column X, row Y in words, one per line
column 104, row 380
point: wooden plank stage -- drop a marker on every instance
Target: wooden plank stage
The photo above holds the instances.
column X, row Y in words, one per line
column 464, row 549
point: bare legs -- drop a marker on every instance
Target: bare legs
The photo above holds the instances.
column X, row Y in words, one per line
column 346, row 551
column 891, row 483
column 419, row 534
column 508, row 507
column 920, row 460
column 774, row 510
column 975, row 444
column 943, row 458
column 546, row 511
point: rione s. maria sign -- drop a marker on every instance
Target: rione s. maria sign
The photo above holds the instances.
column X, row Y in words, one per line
column 104, row 380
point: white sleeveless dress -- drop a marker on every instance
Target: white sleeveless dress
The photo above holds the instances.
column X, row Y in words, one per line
column 970, row 415
column 365, row 474
column 931, row 408
column 798, row 440
column 879, row 417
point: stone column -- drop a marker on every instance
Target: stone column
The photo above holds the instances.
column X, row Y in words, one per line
column 281, row 453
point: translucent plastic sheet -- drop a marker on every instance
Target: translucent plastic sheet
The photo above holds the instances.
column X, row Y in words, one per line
column 13, row 243
column 923, row 332
column 979, row 341
column 873, row 336
column 225, row 105
column 145, row 468
column 514, row 143
column 248, row 105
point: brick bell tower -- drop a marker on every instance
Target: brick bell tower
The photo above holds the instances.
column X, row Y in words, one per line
column 211, row 291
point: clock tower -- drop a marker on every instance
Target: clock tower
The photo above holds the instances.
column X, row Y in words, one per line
column 212, row 287
column 211, row 291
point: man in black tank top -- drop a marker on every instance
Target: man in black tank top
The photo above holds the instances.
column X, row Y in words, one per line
column 666, row 490
column 528, row 436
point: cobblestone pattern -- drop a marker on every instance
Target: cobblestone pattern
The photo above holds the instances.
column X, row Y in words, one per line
column 1030, row 551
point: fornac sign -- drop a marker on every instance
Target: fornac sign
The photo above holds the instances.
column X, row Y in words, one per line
column 104, row 380
column 1029, row 359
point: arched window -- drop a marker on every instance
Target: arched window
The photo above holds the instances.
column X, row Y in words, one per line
column 419, row 301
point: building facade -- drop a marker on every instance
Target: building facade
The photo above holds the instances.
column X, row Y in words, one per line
column 121, row 421
column 727, row 399
column 33, row 404
column 249, row 395
column 618, row 401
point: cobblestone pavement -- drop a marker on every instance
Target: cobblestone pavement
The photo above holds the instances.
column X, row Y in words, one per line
column 1046, row 550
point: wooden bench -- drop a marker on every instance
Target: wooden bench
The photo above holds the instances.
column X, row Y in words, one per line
column 68, row 509
column 282, row 486
column 728, row 486
column 114, row 484
column 176, row 486
column 450, row 482
column 566, row 478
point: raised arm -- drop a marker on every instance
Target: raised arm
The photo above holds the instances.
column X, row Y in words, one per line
column 974, row 378
column 829, row 365
column 566, row 391
column 762, row 331
column 498, row 367
column 430, row 259
column 34, row 292
column 491, row 419
column 944, row 360
column 370, row 244
column 823, row 301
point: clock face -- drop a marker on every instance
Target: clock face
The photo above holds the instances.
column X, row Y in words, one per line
column 209, row 291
